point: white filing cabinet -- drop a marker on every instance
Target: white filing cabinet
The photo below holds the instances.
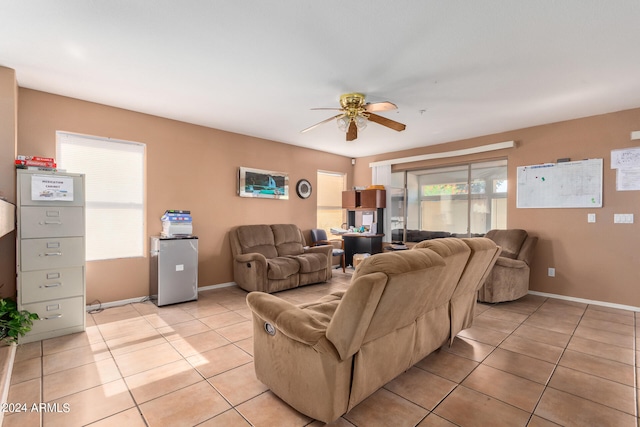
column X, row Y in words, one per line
column 51, row 252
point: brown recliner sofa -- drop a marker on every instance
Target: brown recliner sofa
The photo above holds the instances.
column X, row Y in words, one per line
column 325, row 357
column 482, row 259
column 509, row 279
column 272, row 258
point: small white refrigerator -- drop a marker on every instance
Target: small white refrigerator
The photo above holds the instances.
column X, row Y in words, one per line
column 173, row 270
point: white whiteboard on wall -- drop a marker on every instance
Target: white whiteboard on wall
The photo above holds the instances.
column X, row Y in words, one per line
column 560, row 185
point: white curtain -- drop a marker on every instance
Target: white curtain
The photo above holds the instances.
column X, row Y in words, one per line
column 381, row 175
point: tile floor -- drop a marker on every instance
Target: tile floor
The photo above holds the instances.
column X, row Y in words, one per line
column 536, row 362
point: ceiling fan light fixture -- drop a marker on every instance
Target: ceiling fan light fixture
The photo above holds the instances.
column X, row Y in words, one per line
column 343, row 123
column 356, row 114
column 361, row 122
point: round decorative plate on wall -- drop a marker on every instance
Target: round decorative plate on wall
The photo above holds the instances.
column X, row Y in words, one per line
column 303, row 188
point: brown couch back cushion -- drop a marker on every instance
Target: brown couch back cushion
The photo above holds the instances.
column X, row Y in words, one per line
column 414, row 281
column 288, row 239
column 509, row 240
column 257, row 238
column 456, row 255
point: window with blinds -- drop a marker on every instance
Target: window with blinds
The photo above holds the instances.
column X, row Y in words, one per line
column 329, row 200
column 114, row 187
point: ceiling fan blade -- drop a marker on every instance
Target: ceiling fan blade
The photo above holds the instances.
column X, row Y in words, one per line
column 386, row 122
column 380, row 106
column 321, row 123
column 352, row 132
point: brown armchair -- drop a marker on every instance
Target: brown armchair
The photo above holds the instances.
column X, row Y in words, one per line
column 509, row 278
column 319, row 238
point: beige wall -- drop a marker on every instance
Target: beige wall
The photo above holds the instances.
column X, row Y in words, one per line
column 592, row 261
column 192, row 167
column 8, row 126
column 188, row 167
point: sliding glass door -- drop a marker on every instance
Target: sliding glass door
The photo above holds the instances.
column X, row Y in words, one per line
column 488, row 197
column 444, row 204
column 463, row 200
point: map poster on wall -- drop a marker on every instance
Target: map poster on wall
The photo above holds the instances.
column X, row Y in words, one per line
column 50, row 187
column 560, row 185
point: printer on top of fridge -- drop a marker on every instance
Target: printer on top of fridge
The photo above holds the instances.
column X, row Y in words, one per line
column 174, row 260
column 176, row 223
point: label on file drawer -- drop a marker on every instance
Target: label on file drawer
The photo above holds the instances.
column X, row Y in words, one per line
column 52, row 307
column 53, row 245
column 45, row 187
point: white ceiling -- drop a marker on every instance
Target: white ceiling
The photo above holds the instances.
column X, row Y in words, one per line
column 455, row 69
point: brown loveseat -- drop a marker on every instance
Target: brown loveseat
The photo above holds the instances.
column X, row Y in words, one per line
column 271, row 258
column 325, row 357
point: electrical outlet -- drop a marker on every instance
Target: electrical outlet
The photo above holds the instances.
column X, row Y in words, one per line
column 591, row 217
column 623, row 218
column 552, row 272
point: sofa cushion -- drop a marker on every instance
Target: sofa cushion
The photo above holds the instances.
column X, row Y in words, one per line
column 257, row 238
column 282, row 267
column 288, row 239
column 322, row 310
column 509, row 240
column 310, row 263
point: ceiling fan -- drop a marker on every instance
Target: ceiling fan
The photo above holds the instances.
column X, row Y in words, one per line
column 355, row 114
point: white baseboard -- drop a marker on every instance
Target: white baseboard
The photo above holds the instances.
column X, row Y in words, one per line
column 145, row 298
column 587, row 301
column 218, row 286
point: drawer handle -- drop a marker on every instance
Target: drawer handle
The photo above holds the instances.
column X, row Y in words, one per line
column 51, row 223
column 51, row 285
column 55, row 316
column 51, row 254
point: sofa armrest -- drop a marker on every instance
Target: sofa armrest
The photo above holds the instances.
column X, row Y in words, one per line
column 322, row 249
column 325, row 249
column 253, row 256
column 510, row 263
column 250, row 271
column 287, row 318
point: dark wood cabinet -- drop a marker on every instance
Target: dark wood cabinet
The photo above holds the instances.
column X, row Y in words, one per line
column 355, row 243
column 364, row 199
column 358, row 201
column 349, row 199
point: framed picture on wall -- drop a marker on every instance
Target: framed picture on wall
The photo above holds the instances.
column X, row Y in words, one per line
column 263, row 184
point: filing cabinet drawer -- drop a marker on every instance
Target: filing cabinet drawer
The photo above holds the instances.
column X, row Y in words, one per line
column 57, row 314
column 44, row 285
column 54, row 221
column 25, row 191
column 45, row 254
